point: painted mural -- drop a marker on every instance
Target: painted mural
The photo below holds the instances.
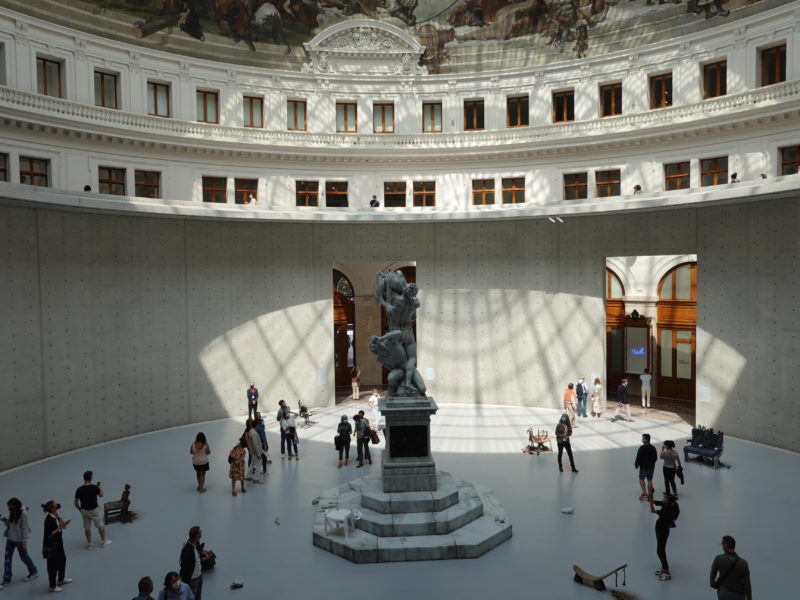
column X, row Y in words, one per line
column 557, row 29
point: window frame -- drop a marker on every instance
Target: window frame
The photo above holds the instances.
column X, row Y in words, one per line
column 568, row 98
column 109, row 177
column 102, row 80
column 615, row 110
column 307, row 193
column 577, row 181
column 680, row 176
column 714, row 172
column 205, row 95
column 720, row 83
column 291, row 109
column 139, row 186
column 432, row 123
column 779, row 63
column 250, row 112
column 337, row 193
column 422, row 195
column 345, row 106
column 603, row 188
column 485, row 194
column 34, row 174
column 665, row 99
column 519, row 104
column 392, row 190
column 783, row 162
column 155, row 86
column 215, row 190
column 382, row 106
column 478, row 109
column 511, row 185
column 5, row 160
column 239, row 190
column 41, row 78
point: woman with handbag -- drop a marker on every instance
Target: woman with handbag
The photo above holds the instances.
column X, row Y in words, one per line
column 563, row 433
column 598, row 404
column 672, row 461
column 200, row 451
column 236, row 462
column 53, row 546
column 667, row 515
column 343, row 431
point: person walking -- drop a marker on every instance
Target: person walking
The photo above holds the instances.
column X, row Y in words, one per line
column 647, row 384
column 563, row 433
column 254, row 453
column 570, row 404
column 672, row 461
column 289, row 425
column 191, row 562
column 355, row 380
column 730, row 574
column 582, row 391
column 53, row 546
column 236, row 462
column 145, row 587
column 598, row 402
column 86, row 502
column 343, row 430
column 362, row 440
column 622, row 400
column 18, row 531
column 646, row 457
column 252, row 400
column 667, row 512
column 175, row 589
column 200, row 451
column 373, row 402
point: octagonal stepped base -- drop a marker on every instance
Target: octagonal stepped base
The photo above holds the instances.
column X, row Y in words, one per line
column 458, row 520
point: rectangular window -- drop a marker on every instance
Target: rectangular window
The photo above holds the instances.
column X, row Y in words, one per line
column 383, row 118
column 513, row 190
column 715, row 79
column 296, row 115
column 346, row 117
column 661, row 90
column 676, row 176
column 34, row 171
column 147, row 184
column 790, row 160
column 158, row 99
column 105, row 89
column 611, row 100
column 424, row 193
column 253, row 111
column 563, row 106
column 3, row 167
column 517, row 111
column 575, row 186
column 207, row 106
column 336, row 193
column 394, row 194
column 48, row 77
column 714, row 171
column 432, row 117
column 307, row 193
column 245, row 191
column 607, row 183
column 215, row 189
column 483, row 191
column 473, row 115
column 773, row 65
column 111, row 180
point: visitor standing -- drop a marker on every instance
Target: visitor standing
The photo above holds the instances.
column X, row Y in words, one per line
column 646, row 457
column 289, row 425
column 254, row 452
column 570, row 404
column 252, row 400
column 647, row 386
column 18, row 530
column 582, row 391
column 191, row 562
column 733, row 582
column 667, row 512
column 622, row 400
column 355, row 380
column 672, row 461
column 86, row 502
column 563, row 433
column 53, row 546
column 236, row 462
column 343, row 430
column 373, row 401
column 145, row 589
column 598, row 401
column 262, row 434
column 362, row 440
column 175, row 589
column 200, row 451
column 279, row 418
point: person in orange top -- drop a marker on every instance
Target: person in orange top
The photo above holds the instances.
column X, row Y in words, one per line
column 570, row 403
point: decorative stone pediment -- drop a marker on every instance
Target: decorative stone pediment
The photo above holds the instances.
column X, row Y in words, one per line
column 364, row 46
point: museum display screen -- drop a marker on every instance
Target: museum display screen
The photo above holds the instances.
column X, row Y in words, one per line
column 635, row 349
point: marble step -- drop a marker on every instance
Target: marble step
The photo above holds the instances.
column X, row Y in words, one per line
column 374, row 498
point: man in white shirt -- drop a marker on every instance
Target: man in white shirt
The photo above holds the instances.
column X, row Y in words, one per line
column 647, row 382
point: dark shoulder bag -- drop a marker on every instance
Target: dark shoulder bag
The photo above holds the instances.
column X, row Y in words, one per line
column 722, row 578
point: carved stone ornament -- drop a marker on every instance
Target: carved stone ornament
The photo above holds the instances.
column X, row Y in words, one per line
column 364, row 47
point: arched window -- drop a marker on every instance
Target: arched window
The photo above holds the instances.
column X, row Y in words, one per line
column 676, row 336
column 342, row 284
column 679, row 284
column 614, row 287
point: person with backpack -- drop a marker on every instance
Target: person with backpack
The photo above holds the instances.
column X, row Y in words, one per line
column 582, row 391
column 355, row 379
column 18, row 530
column 733, row 582
column 362, row 439
column 667, row 515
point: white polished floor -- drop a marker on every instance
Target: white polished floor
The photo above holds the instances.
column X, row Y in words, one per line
column 752, row 501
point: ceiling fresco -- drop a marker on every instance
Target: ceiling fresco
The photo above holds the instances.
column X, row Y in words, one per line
column 459, row 35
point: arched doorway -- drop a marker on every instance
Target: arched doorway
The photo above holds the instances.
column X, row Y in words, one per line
column 615, row 327
column 344, row 328
column 677, row 338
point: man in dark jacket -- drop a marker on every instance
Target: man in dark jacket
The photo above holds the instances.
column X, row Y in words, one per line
column 646, row 458
column 191, row 565
column 252, row 401
column 730, row 574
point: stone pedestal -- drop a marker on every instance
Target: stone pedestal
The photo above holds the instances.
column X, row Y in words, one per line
column 407, row 464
